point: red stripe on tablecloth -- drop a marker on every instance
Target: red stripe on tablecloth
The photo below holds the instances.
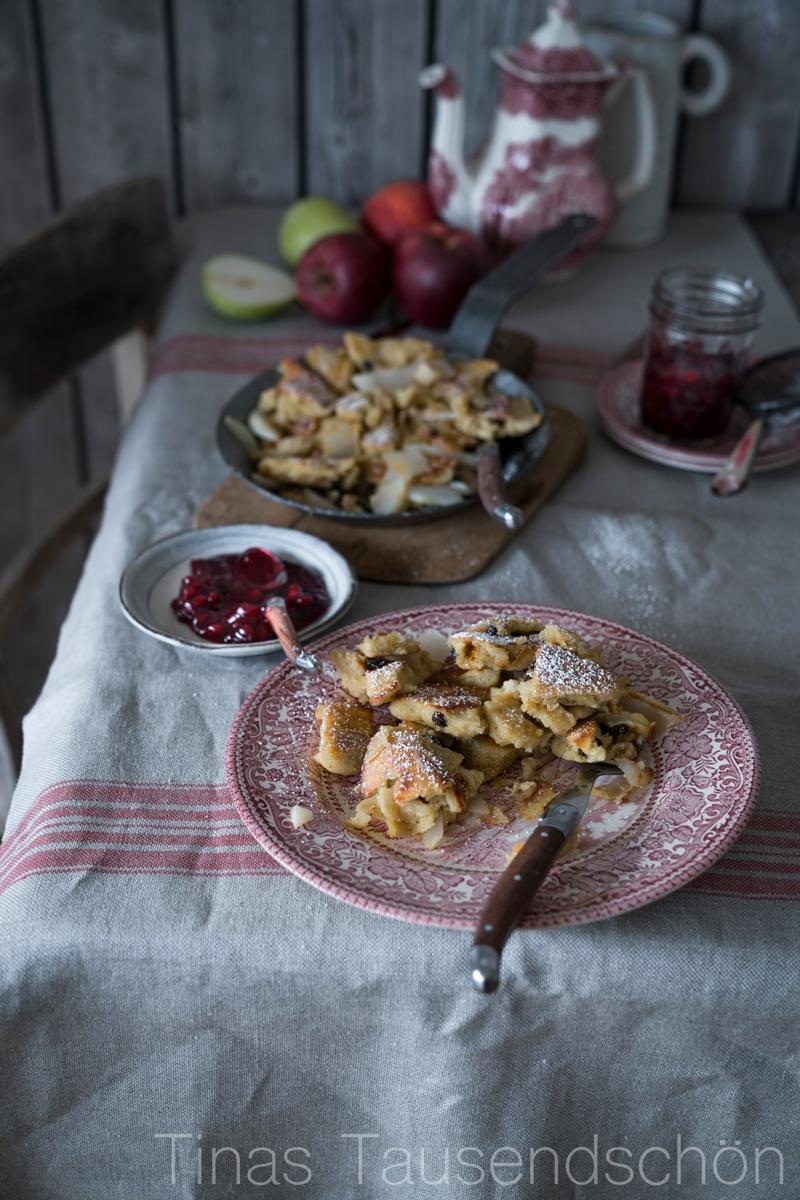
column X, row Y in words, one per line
column 774, row 821
column 154, row 829
column 228, row 355
column 765, row 843
column 204, row 869
column 126, row 828
column 61, row 843
column 79, row 859
column 173, row 815
column 733, row 864
column 137, row 839
column 126, row 795
column 599, row 360
column 250, row 356
column 746, row 887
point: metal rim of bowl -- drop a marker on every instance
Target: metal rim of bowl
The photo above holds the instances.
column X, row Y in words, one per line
column 246, row 649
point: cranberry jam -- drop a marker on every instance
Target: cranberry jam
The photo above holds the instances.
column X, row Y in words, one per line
column 702, row 326
column 224, row 599
column 687, row 393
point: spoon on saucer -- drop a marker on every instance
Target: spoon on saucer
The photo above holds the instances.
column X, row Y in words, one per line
column 767, row 389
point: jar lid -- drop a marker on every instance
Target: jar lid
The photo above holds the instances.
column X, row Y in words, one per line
column 555, row 52
column 707, row 299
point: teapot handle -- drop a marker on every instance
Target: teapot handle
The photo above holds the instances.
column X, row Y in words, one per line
column 646, row 130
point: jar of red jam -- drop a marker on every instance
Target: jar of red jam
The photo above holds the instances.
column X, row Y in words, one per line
column 702, row 326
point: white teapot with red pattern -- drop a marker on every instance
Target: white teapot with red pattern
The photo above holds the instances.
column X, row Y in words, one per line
column 540, row 162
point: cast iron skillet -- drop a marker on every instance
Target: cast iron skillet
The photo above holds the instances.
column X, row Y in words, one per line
column 469, row 337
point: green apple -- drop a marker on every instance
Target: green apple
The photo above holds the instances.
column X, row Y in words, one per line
column 308, row 220
column 245, row 289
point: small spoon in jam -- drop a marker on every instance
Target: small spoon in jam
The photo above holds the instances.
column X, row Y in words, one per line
column 286, row 634
column 262, row 568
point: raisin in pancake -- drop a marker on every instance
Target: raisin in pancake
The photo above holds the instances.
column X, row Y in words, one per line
column 382, row 666
column 456, row 711
column 506, row 644
column 584, row 743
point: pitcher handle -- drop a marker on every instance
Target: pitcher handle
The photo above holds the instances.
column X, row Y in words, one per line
column 647, row 135
column 705, row 100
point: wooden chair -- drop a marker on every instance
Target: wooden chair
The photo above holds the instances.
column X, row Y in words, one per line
column 88, row 279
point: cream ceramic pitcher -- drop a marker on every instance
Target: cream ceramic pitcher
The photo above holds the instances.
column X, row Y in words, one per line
column 657, row 45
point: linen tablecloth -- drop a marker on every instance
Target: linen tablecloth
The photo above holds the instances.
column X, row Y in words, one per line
column 178, row 1011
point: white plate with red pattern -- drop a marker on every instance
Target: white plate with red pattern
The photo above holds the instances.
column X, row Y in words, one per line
column 706, row 777
column 617, row 402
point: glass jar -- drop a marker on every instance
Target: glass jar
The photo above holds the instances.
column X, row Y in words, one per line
column 702, row 326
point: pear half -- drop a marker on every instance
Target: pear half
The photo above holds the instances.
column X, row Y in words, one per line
column 246, row 289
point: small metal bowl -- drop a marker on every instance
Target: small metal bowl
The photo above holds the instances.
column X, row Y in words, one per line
column 152, row 580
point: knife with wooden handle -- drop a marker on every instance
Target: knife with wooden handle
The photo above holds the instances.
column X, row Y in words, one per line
column 525, row 874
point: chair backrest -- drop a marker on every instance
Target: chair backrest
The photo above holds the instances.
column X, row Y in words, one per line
column 79, row 284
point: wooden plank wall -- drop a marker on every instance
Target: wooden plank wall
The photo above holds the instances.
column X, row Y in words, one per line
column 252, row 100
column 248, row 100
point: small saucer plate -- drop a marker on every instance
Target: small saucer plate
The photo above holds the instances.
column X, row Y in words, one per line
column 617, row 402
column 152, row 580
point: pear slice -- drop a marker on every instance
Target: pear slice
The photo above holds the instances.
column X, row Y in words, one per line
column 246, row 289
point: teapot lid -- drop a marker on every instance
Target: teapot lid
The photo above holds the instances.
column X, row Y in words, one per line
column 555, row 52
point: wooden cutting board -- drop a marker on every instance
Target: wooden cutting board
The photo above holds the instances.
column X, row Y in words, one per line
column 444, row 550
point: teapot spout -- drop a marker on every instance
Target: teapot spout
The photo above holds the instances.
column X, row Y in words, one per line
column 449, row 179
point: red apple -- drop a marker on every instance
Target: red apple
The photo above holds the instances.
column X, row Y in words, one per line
column 343, row 278
column 397, row 208
column 434, row 268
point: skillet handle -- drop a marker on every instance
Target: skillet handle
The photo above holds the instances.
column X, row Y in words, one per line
column 487, row 300
column 492, row 488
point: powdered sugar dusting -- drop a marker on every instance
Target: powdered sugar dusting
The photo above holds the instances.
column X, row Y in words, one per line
column 501, row 631
column 415, row 767
column 631, row 551
column 347, row 728
column 563, row 673
column 497, row 639
column 445, row 697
